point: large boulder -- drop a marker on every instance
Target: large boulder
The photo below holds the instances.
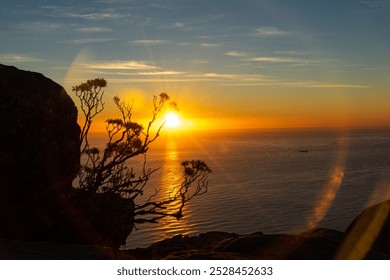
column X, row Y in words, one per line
column 39, row 154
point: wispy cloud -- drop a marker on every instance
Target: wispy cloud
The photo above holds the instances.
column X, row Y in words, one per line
column 120, row 65
column 18, row 58
column 236, row 54
column 118, row 70
column 280, row 83
column 184, row 44
column 270, row 32
column 229, row 76
column 209, row 45
column 199, row 61
column 324, row 85
column 40, row 26
column 179, row 24
column 143, row 73
column 292, row 52
column 277, row 59
column 160, row 73
column 93, row 29
column 89, row 40
column 69, row 12
column 150, row 42
column 96, row 16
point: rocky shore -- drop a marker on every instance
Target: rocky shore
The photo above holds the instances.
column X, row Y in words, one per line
column 316, row 244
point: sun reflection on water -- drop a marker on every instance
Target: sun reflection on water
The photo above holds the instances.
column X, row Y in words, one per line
column 170, row 182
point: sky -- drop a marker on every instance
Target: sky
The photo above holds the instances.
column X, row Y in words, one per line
column 228, row 64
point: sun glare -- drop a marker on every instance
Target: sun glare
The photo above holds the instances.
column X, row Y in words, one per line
column 172, row 120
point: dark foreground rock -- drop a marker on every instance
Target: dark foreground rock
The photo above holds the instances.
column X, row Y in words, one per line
column 39, row 154
column 39, row 159
column 22, row 250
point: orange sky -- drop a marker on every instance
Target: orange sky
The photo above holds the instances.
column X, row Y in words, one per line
column 236, row 64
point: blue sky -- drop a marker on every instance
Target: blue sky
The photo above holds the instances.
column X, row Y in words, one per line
column 263, row 63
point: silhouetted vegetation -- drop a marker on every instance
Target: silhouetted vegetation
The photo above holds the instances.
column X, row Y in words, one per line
column 108, row 170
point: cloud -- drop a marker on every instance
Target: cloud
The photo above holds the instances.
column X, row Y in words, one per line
column 167, row 75
column 325, row 85
column 148, row 73
column 93, row 29
column 158, row 73
column 17, row 58
column 68, row 12
column 236, row 54
column 199, row 61
column 277, row 59
column 209, row 45
column 377, row 4
column 270, row 32
column 292, row 52
column 150, row 42
column 280, row 83
column 120, row 65
column 184, row 44
column 96, row 16
column 230, row 77
column 179, row 24
column 89, row 40
column 40, row 26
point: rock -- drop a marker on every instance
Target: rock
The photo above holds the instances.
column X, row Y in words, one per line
column 205, row 255
column 39, row 154
column 275, row 247
column 210, row 240
column 163, row 248
column 315, row 244
column 39, row 159
column 104, row 219
column 22, row 250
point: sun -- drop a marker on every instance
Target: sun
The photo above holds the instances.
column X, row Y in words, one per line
column 172, row 120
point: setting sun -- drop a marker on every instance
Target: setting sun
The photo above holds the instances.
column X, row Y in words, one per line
column 172, row 120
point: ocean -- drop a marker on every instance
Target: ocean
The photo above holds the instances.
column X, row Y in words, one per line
column 270, row 181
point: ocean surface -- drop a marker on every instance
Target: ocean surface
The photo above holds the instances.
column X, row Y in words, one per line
column 271, row 181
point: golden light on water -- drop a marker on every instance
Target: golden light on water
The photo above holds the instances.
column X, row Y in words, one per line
column 170, row 183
